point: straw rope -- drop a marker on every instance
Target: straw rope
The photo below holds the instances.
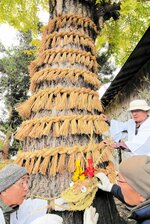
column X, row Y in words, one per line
column 54, row 74
column 62, row 39
column 69, row 20
column 52, row 56
column 62, row 126
column 60, row 98
column 53, row 160
column 78, row 200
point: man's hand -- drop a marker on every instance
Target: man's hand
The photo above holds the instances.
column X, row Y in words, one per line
column 90, row 216
column 104, row 183
column 121, row 145
column 105, row 117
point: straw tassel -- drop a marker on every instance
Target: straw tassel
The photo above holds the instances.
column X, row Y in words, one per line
column 74, row 127
column 95, row 155
column 58, row 101
column 89, row 106
column 47, row 129
column 27, row 164
column 61, row 163
column 36, row 130
column 73, row 99
column 25, row 130
column 100, row 126
column 97, row 127
column 30, row 168
column 44, row 165
column 19, row 161
column 56, row 129
column 64, row 100
column 48, row 105
column 90, row 126
column 64, row 129
column 37, row 165
column 71, row 163
column 53, row 168
column 80, row 126
column 51, row 59
column 53, row 44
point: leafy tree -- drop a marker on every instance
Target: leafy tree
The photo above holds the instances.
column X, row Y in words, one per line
column 64, row 112
column 125, row 21
column 123, row 34
column 14, row 85
column 55, row 122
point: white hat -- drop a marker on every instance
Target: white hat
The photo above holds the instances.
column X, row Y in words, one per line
column 48, row 219
column 138, row 105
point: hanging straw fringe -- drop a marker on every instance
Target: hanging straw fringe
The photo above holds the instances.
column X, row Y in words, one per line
column 52, row 56
column 62, row 39
column 56, row 160
column 63, row 74
column 62, row 126
column 61, row 98
column 71, row 20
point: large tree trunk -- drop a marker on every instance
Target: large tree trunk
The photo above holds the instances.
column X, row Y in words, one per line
column 64, row 110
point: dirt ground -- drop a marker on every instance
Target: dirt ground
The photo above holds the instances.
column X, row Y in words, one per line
column 124, row 212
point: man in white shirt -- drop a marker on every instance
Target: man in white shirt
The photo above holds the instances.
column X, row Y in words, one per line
column 15, row 209
column 137, row 129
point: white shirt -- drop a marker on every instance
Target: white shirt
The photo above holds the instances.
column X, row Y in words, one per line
column 28, row 211
column 138, row 144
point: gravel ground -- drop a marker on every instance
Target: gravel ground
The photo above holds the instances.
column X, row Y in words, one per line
column 123, row 211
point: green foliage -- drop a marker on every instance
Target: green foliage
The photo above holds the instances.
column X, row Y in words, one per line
column 124, row 34
column 23, row 15
column 14, row 82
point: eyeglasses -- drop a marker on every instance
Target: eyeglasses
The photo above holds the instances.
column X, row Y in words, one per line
column 121, row 181
column 23, row 183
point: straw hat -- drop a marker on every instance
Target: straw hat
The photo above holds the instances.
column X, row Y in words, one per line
column 138, row 105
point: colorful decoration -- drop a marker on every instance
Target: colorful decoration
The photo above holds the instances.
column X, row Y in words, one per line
column 90, row 169
column 78, row 174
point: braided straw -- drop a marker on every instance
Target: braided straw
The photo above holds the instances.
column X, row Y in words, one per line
column 63, row 74
column 69, row 20
column 62, row 126
column 78, row 200
column 62, row 39
column 53, row 160
column 52, row 56
column 60, row 98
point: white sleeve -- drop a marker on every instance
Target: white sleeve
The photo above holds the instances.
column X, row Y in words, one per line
column 116, row 129
column 2, row 221
column 140, row 143
column 29, row 211
column 48, row 219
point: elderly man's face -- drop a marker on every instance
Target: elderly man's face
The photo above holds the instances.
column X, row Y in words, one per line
column 131, row 196
column 16, row 193
column 139, row 115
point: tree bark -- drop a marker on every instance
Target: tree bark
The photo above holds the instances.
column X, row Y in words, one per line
column 67, row 46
